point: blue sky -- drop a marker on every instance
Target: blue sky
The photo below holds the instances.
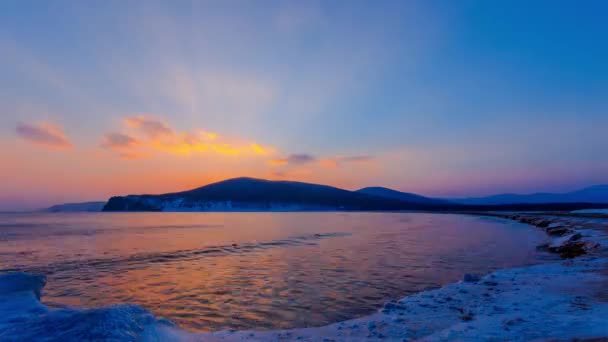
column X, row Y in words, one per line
column 438, row 97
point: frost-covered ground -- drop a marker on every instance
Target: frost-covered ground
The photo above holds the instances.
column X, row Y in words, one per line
column 591, row 211
column 556, row 301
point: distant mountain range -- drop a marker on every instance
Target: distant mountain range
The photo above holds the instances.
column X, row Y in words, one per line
column 593, row 194
column 250, row 194
column 76, row 207
column 401, row 196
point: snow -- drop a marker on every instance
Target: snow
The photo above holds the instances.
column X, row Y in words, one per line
column 560, row 241
column 558, row 300
column 515, row 305
column 591, row 211
column 183, row 205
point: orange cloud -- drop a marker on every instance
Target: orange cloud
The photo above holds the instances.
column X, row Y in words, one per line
column 278, row 162
column 148, row 135
column 259, row 149
column 329, row 163
column 44, row 134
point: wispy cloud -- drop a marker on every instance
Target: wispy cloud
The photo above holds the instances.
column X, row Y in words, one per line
column 328, row 162
column 357, row 159
column 148, row 134
column 294, row 159
column 126, row 146
column 44, row 134
column 338, row 161
column 148, row 125
column 118, row 141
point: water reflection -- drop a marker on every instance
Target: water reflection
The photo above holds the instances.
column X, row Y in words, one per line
column 210, row 271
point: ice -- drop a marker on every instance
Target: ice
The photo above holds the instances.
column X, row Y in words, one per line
column 24, row 318
column 591, row 211
column 555, row 300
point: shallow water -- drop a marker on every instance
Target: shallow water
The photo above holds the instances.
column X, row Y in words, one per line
column 216, row 271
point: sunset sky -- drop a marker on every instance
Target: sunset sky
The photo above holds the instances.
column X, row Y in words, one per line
column 442, row 98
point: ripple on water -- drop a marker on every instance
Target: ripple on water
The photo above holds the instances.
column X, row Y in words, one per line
column 211, row 271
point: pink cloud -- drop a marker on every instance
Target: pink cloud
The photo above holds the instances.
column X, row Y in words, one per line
column 150, row 126
column 118, row 141
column 44, row 134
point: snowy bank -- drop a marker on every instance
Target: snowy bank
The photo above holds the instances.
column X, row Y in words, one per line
column 559, row 300
column 591, row 211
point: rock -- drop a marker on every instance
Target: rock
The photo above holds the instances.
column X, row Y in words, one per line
column 568, row 246
column 572, row 249
column 527, row 220
column 543, row 223
column 471, row 278
column 558, row 242
column 558, row 231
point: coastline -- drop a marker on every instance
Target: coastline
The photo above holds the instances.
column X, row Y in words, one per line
column 558, row 300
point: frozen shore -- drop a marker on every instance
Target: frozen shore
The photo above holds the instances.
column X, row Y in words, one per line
column 560, row 300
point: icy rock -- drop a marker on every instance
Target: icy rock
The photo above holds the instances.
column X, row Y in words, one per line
column 558, row 231
column 564, row 240
column 543, row 223
column 572, row 249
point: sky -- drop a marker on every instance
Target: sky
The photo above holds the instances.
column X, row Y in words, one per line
column 442, row 98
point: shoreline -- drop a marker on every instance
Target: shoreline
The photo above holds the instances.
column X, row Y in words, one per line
column 558, row 300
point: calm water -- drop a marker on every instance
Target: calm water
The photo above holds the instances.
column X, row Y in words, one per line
column 212, row 271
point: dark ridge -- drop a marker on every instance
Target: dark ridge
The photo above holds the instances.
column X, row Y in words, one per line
column 250, row 194
column 261, row 194
column 592, row 194
column 401, row 196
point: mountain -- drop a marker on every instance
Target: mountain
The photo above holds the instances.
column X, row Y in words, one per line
column 250, row 194
column 593, row 194
column 76, row 207
column 401, row 196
